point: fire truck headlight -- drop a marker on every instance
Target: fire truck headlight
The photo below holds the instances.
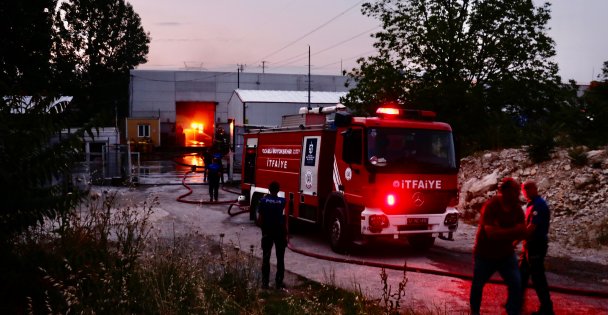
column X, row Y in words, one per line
column 377, row 222
column 451, row 219
column 390, row 200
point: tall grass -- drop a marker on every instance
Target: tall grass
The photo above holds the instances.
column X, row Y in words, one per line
column 104, row 258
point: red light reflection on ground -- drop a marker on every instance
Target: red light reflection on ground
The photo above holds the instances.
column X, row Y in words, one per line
column 495, row 296
column 192, row 159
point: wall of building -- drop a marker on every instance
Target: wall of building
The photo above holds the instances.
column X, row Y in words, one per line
column 264, row 114
column 154, row 93
column 132, row 130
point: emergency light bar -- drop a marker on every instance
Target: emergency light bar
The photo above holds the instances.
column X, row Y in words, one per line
column 414, row 114
column 387, row 111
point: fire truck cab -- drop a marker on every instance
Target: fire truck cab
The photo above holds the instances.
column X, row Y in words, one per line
column 394, row 175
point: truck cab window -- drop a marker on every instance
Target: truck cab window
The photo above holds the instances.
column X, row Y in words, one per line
column 411, row 150
column 352, row 150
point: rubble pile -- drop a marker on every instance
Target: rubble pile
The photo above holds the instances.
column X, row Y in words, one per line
column 577, row 195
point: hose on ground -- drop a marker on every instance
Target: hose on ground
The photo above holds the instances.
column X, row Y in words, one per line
column 409, row 268
column 199, row 202
column 405, row 267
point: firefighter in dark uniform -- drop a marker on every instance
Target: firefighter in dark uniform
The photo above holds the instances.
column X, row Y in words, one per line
column 214, row 172
column 532, row 261
column 207, row 159
column 272, row 220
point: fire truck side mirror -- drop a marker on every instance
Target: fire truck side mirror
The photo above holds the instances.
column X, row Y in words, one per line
column 343, row 119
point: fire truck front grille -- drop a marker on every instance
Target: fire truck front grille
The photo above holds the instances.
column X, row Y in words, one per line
column 424, row 202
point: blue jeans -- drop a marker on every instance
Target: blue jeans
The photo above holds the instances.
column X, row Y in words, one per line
column 508, row 270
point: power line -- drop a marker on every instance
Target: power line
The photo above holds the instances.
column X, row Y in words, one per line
column 350, row 58
column 291, row 58
column 327, row 48
column 314, row 30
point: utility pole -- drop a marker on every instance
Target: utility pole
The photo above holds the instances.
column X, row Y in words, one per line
column 309, row 107
column 264, row 66
column 239, row 69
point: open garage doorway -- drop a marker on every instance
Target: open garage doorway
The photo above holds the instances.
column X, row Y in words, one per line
column 194, row 123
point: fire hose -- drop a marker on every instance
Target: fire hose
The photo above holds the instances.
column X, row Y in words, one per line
column 451, row 274
column 200, row 202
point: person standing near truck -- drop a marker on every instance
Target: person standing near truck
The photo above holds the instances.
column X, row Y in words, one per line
column 214, row 171
column 532, row 261
column 271, row 218
column 501, row 226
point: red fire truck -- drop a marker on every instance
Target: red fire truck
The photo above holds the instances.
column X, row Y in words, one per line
column 392, row 175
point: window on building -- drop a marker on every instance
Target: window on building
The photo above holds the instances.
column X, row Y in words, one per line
column 143, row 131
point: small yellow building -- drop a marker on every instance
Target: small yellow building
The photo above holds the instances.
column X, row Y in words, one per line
column 143, row 133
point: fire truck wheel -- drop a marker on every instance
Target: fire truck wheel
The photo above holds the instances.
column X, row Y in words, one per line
column 421, row 242
column 338, row 232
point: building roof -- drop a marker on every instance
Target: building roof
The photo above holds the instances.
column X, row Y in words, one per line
column 272, row 96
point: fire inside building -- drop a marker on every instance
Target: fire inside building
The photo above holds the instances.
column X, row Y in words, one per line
column 185, row 109
column 194, row 123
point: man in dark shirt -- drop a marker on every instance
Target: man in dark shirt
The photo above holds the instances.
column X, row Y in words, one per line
column 214, row 172
column 532, row 261
column 501, row 225
column 207, row 159
column 272, row 221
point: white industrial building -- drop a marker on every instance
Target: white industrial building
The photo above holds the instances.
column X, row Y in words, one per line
column 267, row 108
column 186, row 103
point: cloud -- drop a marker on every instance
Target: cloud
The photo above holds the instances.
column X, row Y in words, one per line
column 170, row 23
column 180, row 39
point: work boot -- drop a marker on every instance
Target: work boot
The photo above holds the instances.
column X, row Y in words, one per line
column 280, row 286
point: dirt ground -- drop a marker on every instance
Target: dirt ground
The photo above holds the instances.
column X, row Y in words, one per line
column 580, row 268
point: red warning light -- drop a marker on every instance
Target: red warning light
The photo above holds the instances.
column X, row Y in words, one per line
column 388, row 111
column 390, row 200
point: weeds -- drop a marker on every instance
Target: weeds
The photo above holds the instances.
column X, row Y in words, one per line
column 602, row 232
column 578, row 155
column 104, row 258
column 391, row 301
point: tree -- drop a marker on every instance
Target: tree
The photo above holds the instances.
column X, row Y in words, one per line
column 28, row 162
column 100, row 41
column 82, row 49
column 595, row 111
column 379, row 82
column 26, row 44
column 605, row 71
column 484, row 66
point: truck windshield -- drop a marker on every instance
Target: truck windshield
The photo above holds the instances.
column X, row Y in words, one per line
column 412, row 150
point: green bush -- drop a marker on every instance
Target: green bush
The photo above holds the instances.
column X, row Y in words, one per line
column 541, row 142
column 578, row 155
column 540, row 151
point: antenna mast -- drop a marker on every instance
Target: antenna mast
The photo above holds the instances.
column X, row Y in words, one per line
column 309, row 107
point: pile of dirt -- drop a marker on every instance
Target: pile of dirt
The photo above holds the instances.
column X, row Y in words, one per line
column 576, row 194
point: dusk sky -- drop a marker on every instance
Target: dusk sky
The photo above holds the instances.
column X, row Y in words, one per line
column 218, row 35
